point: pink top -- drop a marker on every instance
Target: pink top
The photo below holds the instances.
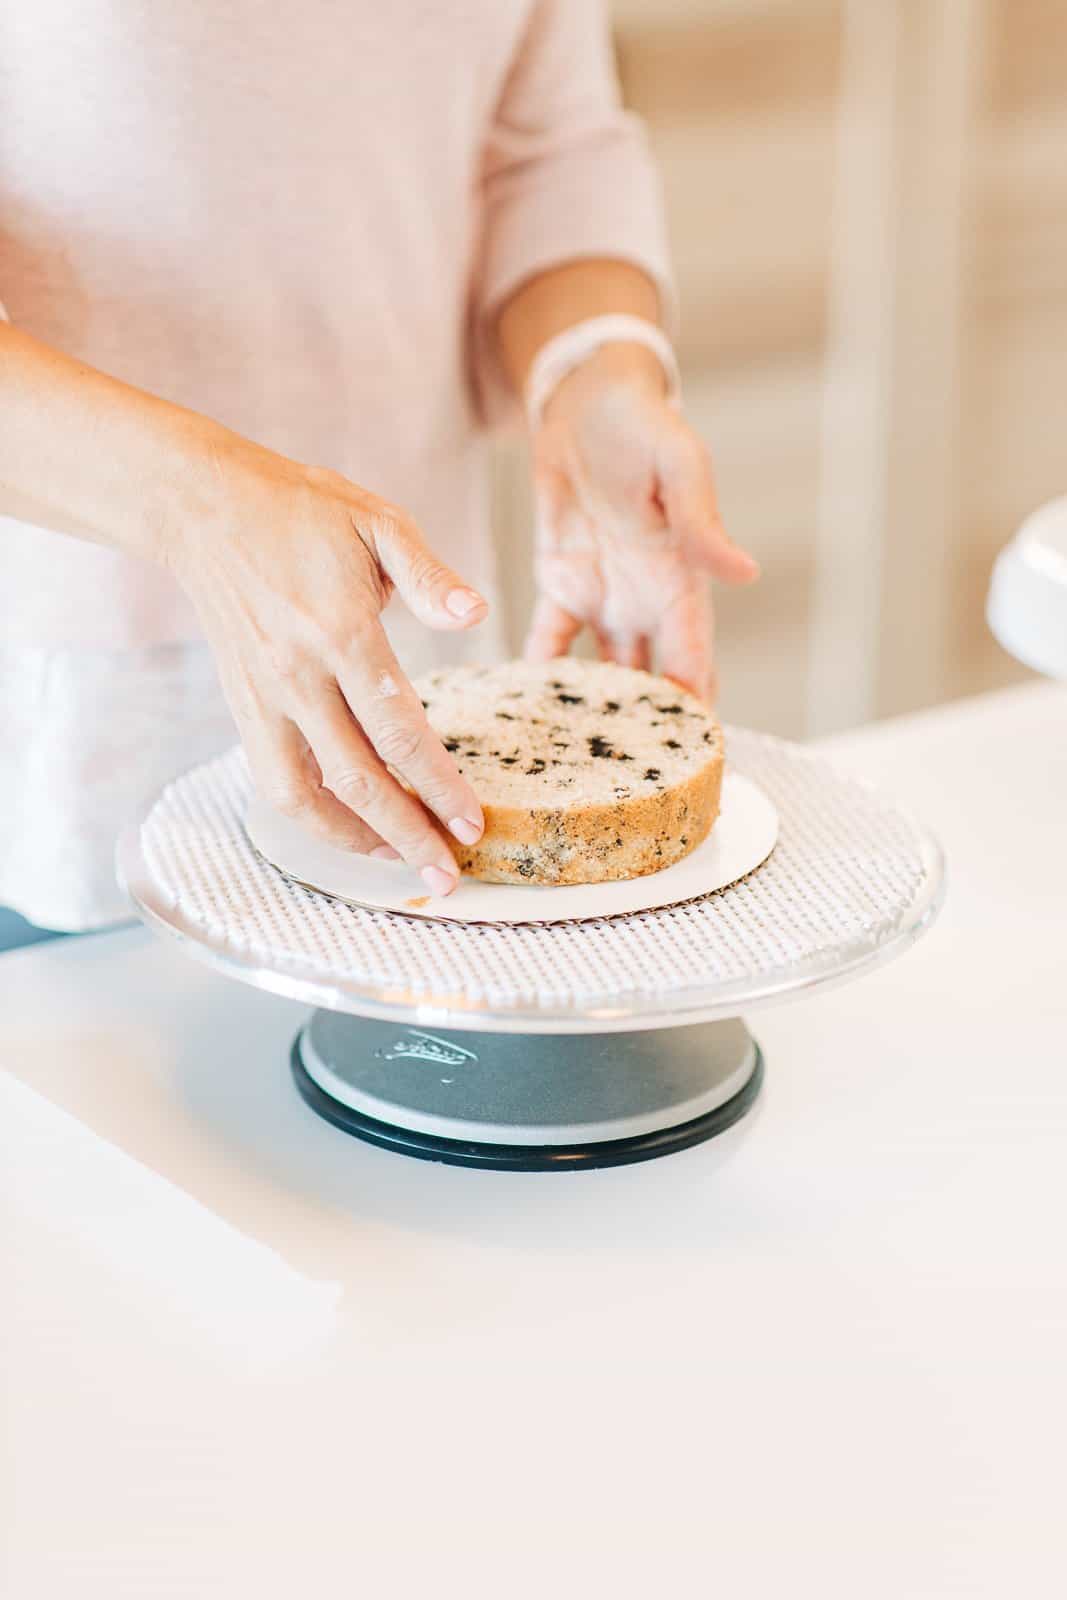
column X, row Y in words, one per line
column 298, row 218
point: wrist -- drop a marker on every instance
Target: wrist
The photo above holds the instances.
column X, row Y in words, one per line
column 612, row 366
column 189, row 487
column 614, row 348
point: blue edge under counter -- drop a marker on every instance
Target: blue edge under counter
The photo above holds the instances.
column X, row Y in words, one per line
column 15, row 931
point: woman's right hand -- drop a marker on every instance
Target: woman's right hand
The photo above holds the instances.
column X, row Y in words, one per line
column 289, row 568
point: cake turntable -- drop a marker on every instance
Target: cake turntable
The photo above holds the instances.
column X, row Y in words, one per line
column 543, row 1045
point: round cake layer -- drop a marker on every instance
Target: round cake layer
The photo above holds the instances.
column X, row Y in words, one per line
column 586, row 771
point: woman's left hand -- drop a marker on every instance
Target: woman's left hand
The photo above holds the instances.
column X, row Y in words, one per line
column 628, row 529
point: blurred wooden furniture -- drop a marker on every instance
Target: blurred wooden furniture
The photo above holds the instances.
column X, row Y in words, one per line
column 868, row 209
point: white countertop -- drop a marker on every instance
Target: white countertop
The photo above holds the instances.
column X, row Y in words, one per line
column 243, row 1353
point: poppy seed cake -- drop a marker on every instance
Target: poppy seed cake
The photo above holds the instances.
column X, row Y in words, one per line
column 586, row 771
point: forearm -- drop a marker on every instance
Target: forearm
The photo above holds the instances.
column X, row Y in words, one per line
column 547, row 304
column 84, row 453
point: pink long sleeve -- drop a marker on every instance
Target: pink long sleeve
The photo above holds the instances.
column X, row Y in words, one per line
column 566, row 174
column 285, row 216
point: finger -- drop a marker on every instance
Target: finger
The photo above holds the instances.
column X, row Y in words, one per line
column 552, row 630
column 631, row 651
column 356, row 775
column 394, row 721
column 684, row 638
column 553, row 495
column 689, row 501
column 288, row 779
column 429, row 589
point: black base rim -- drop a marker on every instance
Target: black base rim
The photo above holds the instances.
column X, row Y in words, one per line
column 520, row 1157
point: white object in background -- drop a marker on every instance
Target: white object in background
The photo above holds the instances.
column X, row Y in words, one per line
column 87, row 736
column 1027, row 607
column 741, row 840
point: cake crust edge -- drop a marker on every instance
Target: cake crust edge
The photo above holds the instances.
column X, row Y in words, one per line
column 596, row 843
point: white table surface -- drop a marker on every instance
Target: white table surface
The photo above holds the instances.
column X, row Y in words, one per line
column 244, row 1354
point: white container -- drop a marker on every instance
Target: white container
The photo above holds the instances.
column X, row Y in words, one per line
column 1027, row 605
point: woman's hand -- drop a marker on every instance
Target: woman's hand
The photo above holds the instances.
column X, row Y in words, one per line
column 628, row 529
column 289, row 568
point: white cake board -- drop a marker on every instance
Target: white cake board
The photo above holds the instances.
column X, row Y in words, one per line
column 741, row 840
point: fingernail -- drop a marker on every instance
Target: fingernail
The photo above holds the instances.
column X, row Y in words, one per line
column 385, row 852
column 466, row 831
column 438, row 881
column 462, row 602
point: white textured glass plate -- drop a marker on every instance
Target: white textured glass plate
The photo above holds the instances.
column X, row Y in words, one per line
column 851, row 881
column 741, row 840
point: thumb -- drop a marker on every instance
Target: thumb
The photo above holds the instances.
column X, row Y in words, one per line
column 430, row 590
column 688, row 493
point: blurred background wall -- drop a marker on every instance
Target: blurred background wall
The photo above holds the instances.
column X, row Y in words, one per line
column 868, row 206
